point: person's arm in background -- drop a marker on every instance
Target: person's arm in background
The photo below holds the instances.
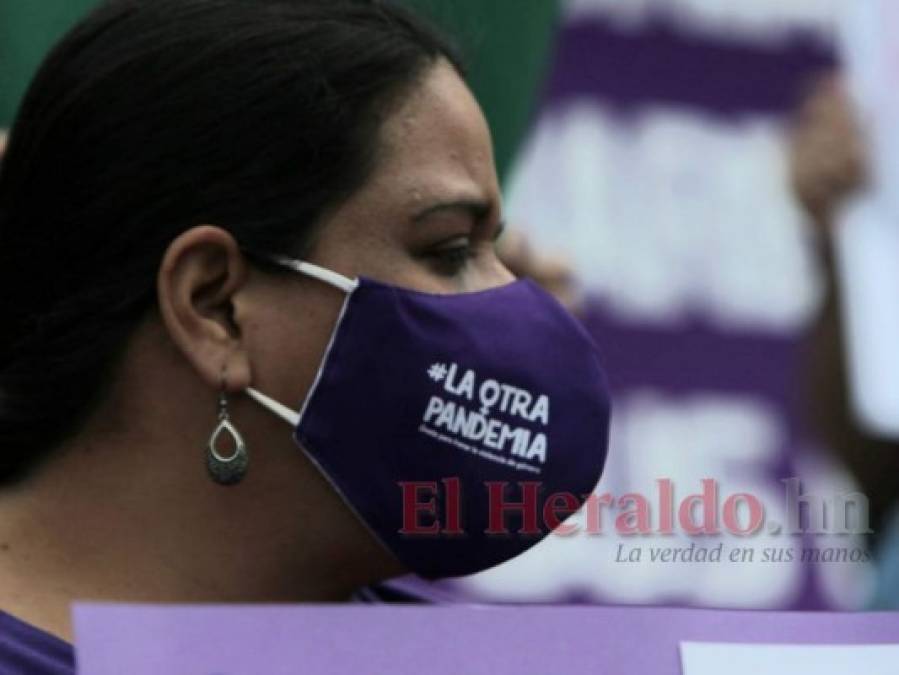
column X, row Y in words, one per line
column 829, row 166
column 828, row 161
column 553, row 274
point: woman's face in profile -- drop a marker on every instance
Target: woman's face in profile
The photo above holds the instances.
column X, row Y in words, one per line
column 427, row 219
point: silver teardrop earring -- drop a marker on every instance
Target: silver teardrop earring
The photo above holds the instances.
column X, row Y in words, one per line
column 226, row 470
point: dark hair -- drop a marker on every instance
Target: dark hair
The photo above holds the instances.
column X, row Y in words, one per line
column 153, row 116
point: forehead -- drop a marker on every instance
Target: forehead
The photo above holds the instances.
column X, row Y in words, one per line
column 437, row 143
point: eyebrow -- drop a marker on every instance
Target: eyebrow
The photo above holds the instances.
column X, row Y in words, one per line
column 477, row 208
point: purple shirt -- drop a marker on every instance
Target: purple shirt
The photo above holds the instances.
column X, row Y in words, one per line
column 26, row 650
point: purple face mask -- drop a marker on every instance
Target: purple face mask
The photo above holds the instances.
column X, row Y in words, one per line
column 459, row 428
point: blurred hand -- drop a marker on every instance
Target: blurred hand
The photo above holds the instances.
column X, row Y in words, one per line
column 2, row 142
column 554, row 274
column 827, row 157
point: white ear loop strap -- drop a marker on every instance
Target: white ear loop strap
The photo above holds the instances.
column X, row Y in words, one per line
column 330, row 277
column 282, row 411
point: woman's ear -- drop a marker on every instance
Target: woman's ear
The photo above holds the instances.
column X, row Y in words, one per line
column 200, row 279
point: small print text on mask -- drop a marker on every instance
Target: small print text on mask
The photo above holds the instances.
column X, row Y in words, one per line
column 462, row 416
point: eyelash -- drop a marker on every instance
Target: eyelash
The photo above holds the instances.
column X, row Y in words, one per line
column 451, row 261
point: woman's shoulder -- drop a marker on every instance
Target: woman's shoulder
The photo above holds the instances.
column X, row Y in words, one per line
column 27, row 650
column 408, row 589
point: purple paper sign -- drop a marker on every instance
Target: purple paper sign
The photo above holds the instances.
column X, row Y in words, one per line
column 439, row 640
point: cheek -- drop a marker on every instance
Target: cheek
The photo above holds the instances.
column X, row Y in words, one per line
column 367, row 245
column 290, row 340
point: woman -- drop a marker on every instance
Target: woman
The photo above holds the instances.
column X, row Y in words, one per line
column 175, row 167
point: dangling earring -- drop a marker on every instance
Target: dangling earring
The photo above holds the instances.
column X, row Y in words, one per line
column 226, row 470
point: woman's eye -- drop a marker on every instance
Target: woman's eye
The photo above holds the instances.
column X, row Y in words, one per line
column 450, row 261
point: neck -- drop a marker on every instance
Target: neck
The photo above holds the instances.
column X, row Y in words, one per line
column 100, row 522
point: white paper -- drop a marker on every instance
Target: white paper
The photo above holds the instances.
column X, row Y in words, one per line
column 867, row 237
column 705, row 658
column 867, row 259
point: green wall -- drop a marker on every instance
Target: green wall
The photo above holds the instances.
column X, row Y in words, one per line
column 28, row 28
column 506, row 43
